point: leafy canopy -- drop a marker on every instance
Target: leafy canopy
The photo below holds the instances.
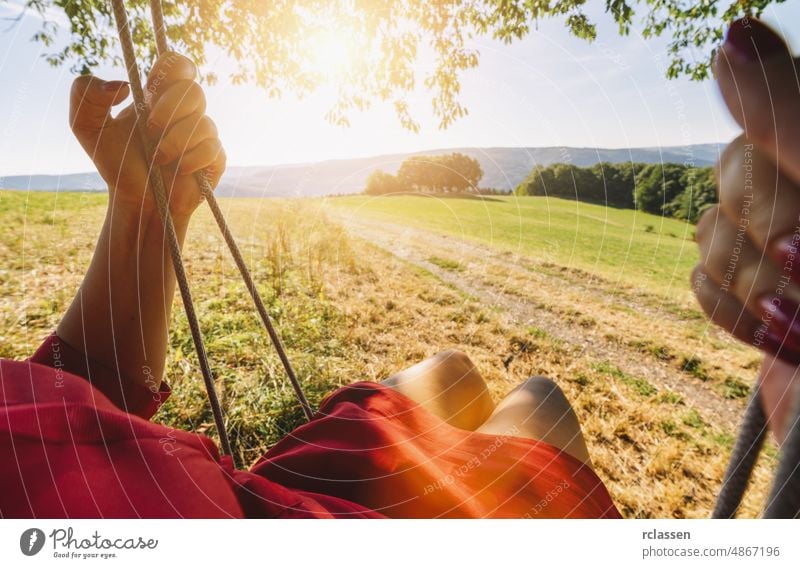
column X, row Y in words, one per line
column 375, row 49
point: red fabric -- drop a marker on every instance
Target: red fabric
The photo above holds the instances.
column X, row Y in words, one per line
column 68, row 450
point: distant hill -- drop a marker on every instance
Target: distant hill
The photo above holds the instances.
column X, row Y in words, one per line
column 503, row 169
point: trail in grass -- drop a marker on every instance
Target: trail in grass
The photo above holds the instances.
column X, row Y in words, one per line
column 485, row 272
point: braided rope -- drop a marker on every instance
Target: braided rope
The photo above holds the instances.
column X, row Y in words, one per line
column 162, row 202
column 208, row 193
column 752, row 433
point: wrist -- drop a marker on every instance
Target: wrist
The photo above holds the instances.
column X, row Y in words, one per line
column 142, row 223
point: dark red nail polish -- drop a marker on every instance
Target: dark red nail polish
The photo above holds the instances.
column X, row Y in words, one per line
column 782, row 315
column 774, row 343
column 113, row 86
column 752, row 41
column 785, row 251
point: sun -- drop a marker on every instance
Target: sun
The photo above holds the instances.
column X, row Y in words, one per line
column 330, row 54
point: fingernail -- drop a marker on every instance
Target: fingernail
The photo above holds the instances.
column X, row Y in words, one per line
column 774, row 343
column 751, row 41
column 779, row 332
column 784, row 251
column 113, row 86
column 780, row 314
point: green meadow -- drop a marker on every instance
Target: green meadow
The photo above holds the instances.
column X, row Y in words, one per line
column 624, row 246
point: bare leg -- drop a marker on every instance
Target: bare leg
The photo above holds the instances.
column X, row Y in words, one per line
column 538, row 409
column 449, row 386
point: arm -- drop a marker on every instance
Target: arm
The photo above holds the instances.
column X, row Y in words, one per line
column 120, row 315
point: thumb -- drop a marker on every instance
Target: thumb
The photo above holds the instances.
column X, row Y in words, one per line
column 90, row 104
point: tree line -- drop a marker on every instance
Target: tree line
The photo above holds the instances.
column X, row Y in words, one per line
column 447, row 173
column 673, row 190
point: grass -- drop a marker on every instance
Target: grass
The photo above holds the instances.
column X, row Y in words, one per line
column 627, row 247
column 446, row 263
column 349, row 310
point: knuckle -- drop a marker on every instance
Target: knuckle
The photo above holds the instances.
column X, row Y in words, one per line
column 698, row 278
column 80, row 84
column 209, row 126
column 169, row 147
column 193, row 92
column 706, row 224
column 724, row 249
column 735, row 176
column 174, row 65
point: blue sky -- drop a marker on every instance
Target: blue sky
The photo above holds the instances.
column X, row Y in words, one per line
column 550, row 89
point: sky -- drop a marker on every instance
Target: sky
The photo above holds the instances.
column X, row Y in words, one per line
column 550, row 89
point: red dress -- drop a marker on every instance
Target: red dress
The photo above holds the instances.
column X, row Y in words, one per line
column 72, row 446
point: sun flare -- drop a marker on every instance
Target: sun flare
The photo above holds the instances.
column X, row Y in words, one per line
column 331, row 54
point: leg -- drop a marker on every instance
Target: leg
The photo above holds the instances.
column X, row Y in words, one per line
column 538, row 409
column 449, row 385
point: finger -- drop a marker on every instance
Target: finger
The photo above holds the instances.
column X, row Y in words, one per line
column 168, row 69
column 184, row 136
column 179, row 101
column 91, row 100
column 727, row 312
column 723, row 308
column 754, row 194
column 741, row 270
column 780, row 386
column 739, row 266
column 756, row 76
column 207, row 154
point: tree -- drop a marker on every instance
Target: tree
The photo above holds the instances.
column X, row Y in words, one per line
column 700, row 193
column 440, row 174
column 657, row 186
column 617, row 182
column 276, row 44
column 540, row 181
column 381, row 183
column 459, row 172
column 416, row 173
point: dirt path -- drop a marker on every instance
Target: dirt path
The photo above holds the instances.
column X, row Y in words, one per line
column 481, row 268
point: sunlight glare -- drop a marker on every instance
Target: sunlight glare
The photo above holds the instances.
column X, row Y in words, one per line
column 330, row 54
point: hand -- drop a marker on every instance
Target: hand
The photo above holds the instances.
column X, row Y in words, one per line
column 748, row 279
column 186, row 138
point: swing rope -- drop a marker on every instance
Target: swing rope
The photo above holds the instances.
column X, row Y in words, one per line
column 784, row 497
column 162, row 202
column 162, row 45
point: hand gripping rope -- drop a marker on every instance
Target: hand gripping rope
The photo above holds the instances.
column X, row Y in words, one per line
column 162, row 202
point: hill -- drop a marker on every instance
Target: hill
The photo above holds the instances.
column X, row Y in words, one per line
column 503, row 169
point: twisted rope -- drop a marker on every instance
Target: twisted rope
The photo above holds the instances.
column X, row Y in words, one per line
column 162, row 202
column 784, row 497
column 162, row 45
column 752, row 433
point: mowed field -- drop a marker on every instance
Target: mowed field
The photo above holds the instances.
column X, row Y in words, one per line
column 595, row 298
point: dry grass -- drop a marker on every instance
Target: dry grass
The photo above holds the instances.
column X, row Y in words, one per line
column 350, row 311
